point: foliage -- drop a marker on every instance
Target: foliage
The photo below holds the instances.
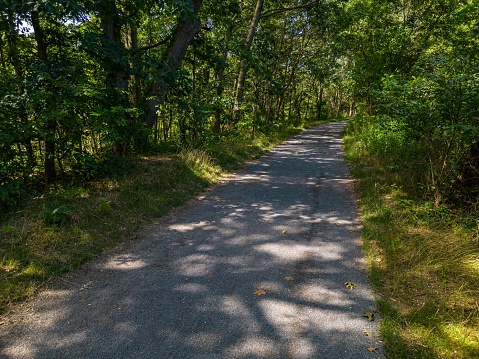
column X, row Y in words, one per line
column 82, row 81
column 423, row 258
column 438, row 109
column 413, row 145
column 423, row 105
column 85, row 87
column 53, row 215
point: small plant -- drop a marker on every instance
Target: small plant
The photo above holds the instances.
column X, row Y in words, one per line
column 56, row 215
column 8, row 229
column 104, row 205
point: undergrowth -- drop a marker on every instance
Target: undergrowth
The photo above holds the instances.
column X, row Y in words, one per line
column 67, row 225
column 424, row 257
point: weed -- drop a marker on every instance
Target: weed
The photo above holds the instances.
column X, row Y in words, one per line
column 53, row 215
column 104, row 205
column 8, row 229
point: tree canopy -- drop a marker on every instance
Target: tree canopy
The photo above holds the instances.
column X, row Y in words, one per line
column 82, row 80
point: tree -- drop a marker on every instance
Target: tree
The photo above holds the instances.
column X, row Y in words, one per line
column 415, row 69
column 187, row 28
column 247, row 48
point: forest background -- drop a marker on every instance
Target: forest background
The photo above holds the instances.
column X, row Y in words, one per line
column 96, row 94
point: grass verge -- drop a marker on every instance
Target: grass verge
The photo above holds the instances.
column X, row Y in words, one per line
column 424, row 259
column 68, row 225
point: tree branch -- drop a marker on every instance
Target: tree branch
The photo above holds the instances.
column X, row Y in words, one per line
column 273, row 12
column 162, row 42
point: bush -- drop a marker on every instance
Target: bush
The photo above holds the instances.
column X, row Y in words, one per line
column 53, row 215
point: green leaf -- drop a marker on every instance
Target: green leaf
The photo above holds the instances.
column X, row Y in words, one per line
column 369, row 315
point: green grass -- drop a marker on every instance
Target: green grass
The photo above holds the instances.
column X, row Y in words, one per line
column 69, row 225
column 424, row 259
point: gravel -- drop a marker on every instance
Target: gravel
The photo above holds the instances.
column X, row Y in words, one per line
column 268, row 264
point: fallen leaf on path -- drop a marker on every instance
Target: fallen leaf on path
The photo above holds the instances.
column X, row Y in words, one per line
column 367, row 332
column 259, row 292
column 289, row 278
column 350, row 285
column 369, row 315
column 373, row 349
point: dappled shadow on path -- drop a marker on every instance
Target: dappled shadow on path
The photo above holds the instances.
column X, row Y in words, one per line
column 285, row 225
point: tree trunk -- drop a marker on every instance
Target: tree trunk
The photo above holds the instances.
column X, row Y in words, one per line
column 187, row 28
column 117, row 80
column 49, row 163
column 319, row 103
column 12, row 38
column 131, row 43
column 115, row 73
column 39, row 37
column 244, row 62
column 340, row 105
column 220, row 74
column 351, row 109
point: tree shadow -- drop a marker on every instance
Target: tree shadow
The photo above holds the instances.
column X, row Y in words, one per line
column 186, row 289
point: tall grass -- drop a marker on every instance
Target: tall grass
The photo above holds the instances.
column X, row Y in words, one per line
column 424, row 258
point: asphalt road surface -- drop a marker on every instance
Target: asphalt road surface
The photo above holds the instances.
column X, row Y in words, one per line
column 267, row 264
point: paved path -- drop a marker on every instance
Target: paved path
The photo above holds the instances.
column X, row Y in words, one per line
column 285, row 227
